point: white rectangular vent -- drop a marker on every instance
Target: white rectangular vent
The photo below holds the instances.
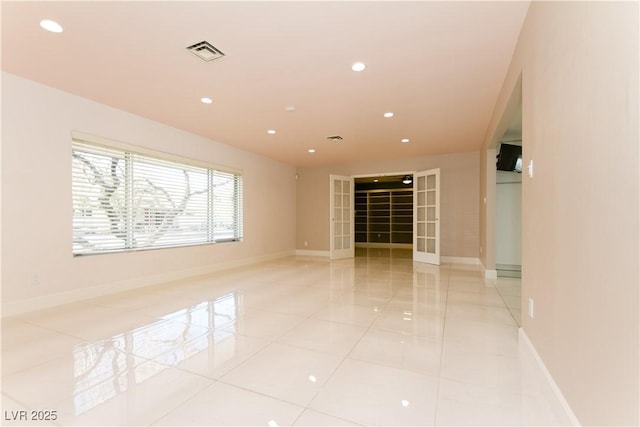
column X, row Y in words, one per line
column 205, row 51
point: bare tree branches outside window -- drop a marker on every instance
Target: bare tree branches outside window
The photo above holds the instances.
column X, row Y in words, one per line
column 125, row 201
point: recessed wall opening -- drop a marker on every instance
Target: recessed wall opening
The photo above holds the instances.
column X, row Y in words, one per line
column 508, row 223
column 383, row 206
column 509, row 200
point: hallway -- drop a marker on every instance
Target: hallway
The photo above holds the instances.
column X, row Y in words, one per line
column 374, row 340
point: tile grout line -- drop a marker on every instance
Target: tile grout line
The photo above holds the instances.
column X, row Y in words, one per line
column 274, row 341
column 221, row 380
column 444, row 326
column 368, row 328
column 493, row 282
column 330, row 376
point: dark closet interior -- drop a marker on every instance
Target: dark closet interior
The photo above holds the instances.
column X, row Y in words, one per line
column 384, row 210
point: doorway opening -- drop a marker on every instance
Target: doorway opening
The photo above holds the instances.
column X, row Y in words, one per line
column 509, row 200
column 383, row 215
column 508, row 211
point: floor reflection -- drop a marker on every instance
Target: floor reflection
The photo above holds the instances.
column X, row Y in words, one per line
column 377, row 339
column 109, row 367
column 510, row 292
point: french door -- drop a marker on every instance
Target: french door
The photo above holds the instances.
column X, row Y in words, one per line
column 426, row 216
column 341, row 214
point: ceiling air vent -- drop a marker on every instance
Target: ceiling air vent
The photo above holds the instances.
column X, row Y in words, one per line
column 205, row 51
column 334, row 138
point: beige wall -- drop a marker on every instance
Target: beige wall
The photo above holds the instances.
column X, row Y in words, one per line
column 312, row 207
column 459, row 199
column 579, row 66
column 37, row 122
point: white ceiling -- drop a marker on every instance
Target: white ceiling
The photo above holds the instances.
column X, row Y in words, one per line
column 437, row 65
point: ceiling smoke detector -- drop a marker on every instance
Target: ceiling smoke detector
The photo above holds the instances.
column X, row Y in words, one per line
column 205, row 51
column 334, row 138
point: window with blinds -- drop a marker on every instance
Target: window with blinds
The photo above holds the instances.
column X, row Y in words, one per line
column 124, row 201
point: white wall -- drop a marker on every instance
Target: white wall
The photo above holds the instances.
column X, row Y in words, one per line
column 508, row 218
column 37, row 122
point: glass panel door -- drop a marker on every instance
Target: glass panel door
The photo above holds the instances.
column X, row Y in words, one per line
column 341, row 210
column 426, row 244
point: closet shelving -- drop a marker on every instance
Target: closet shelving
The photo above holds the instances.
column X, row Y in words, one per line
column 384, row 216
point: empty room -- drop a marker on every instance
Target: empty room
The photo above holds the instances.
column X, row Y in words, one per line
column 320, row 213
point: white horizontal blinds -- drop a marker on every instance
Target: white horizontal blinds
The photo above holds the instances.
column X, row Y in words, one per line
column 126, row 201
column 99, row 208
column 169, row 203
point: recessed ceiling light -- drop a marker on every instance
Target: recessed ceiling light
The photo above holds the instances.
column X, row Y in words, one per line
column 405, row 140
column 206, row 100
column 271, row 132
column 358, row 66
column 50, row 25
column 388, row 114
column 375, row 180
column 311, row 150
column 290, row 109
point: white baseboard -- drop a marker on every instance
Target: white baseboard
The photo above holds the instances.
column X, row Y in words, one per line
column 489, row 274
column 77, row 295
column 528, row 345
column 460, row 260
column 303, row 252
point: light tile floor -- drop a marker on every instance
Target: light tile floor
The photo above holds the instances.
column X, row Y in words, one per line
column 510, row 291
column 375, row 340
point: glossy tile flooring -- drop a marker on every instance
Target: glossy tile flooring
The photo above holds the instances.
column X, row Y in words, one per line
column 375, row 340
column 509, row 289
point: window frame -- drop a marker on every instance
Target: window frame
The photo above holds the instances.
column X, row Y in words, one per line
column 139, row 155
